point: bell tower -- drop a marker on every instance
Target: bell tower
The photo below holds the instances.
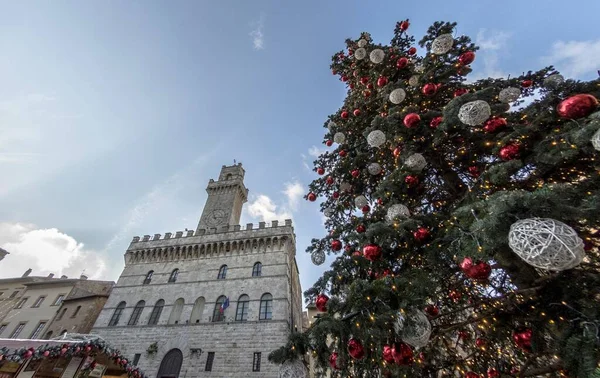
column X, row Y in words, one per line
column 225, row 198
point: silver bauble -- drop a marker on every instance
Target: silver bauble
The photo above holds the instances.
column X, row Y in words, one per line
column 474, row 113
column 293, row 369
column 345, row 187
column 361, row 201
column 510, row 94
column 419, row 68
column 442, row 44
column 328, row 212
column 413, row 81
column 377, row 56
column 362, row 42
column 554, row 81
column 414, row 328
column 397, row 212
column 415, row 162
column 331, row 125
column 360, row 53
column 374, row 168
column 397, row 96
column 596, row 140
column 339, row 138
column 317, row 257
column 376, row 138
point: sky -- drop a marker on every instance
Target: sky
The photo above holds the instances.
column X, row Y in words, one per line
column 115, row 114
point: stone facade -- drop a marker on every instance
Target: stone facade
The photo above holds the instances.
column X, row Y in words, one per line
column 190, row 318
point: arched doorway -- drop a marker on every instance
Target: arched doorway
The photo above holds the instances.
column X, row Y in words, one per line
column 171, row 364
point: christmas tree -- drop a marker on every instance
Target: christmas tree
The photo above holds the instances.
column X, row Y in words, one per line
column 463, row 215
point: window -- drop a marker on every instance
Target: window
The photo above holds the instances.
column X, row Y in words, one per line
column 173, row 277
column 17, row 331
column 137, row 311
column 58, row 300
column 241, row 315
column 2, row 328
column 64, row 331
column 257, row 270
column 38, row 330
column 256, row 362
column 209, row 361
column 148, row 277
column 266, row 307
column 48, row 335
column 197, row 311
column 14, row 294
column 117, row 314
column 1, row 292
column 176, row 311
column 222, row 273
column 39, row 301
column 136, row 358
column 21, row 302
column 62, row 313
column 76, row 311
column 219, row 311
column 156, row 311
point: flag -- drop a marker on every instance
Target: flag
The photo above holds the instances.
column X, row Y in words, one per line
column 225, row 304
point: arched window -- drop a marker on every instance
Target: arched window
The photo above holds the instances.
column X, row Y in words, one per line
column 63, row 332
column 171, row 364
column 76, row 311
column 222, row 273
column 156, row 311
column 197, row 311
column 228, row 176
column 173, row 277
column 241, row 314
column 137, row 312
column 219, row 311
column 48, row 335
column 62, row 313
column 257, row 270
column 116, row 315
column 266, row 307
column 176, row 311
column 148, row 277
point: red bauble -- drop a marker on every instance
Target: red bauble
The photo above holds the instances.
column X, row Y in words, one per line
column 336, row 245
column 333, row 361
column 403, row 354
column 464, row 335
column 46, row 353
column 397, row 151
column 466, row 58
column 526, row 83
column 63, row 351
column 432, row 310
column 351, row 85
column 480, row 271
column 411, row 120
column 350, row 52
column 348, row 248
column 421, row 234
column 357, row 254
column 411, row 181
column 361, row 228
column 118, row 361
column 335, row 195
column 329, row 143
column 429, row 89
column 367, row 93
column 474, row 171
column 466, row 264
column 379, row 201
column 577, row 106
column 329, row 180
column 343, row 153
column 522, row 338
column 402, row 62
column 493, row 373
column 455, row 295
column 356, row 112
column 370, row 86
column 382, row 81
column 320, row 171
column 493, row 124
column 412, row 51
column 404, row 25
column 388, row 354
column 365, row 209
column 471, row 374
column 124, row 362
column 480, row 342
column 344, row 78
column 345, row 114
column 509, row 152
column 460, row 92
column 321, row 302
column 356, row 349
column 28, row 354
column 372, row 252
column 383, row 114
column 333, row 72
column 355, row 173
column 364, row 80
column 436, row 122
column 312, row 197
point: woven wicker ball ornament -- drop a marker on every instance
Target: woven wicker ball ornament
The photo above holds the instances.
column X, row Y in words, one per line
column 339, row 138
column 376, row 138
column 415, row 162
column 293, row 369
column 331, row 125
column 596, row 140
column 362, row 42
column 397, row 212
column 318, row 257
column 328, row 212
column 554, row 81
column 361, row 201
column 397, row 96
column 345, row 187
column 510, row 94
column 360, row 53
column 377, row 56
column 414, row 328
column 474, row 113
column 413, row 81
column 442, row 44
column 374, row 168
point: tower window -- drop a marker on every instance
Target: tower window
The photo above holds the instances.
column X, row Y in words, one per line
column 241, row 314
column 219, row 311
column 76, row 311
column 116, row 315
column 156, row 311
column 266, row 307
column 228, row 177
column 256, row 361
column 209, row 361
column 137, row 311
column 173, row 277
column 257, row 270
column 222, row 273
column 148, row 278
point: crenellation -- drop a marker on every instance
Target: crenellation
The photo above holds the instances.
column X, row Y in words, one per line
column 261, row 224
column 146, row 238
column 190, row 233
column 156, row 237
column 168, row 235
column 179, row 234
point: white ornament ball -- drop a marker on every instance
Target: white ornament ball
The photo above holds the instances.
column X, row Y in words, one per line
column 419, row 68
column 442, row 44
column 397, row 96
column 377, row 56
column 328, row 212
column 554, row 81
column 474, row 113
column 510, row 94
column 362, row 42
column 414, row 328
column 339, row 138
column 596, row 140
column 397, row 212
column 345, row 187
column 415, row 162
column 360, row 53
column 595, row 115
column 374, row 168
column 376, row 138
column 293, row 369
column 361, row 201
column 331, row 125
column 413, row 81
column 318, row 257
column 546, row 243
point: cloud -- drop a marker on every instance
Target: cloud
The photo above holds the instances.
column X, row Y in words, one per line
column 490, row 45
column 46, row 251
column 574, row 58
column 18, row 157
column 294, row 192
column 313, row 151
column 258, row 38
column 263, row 208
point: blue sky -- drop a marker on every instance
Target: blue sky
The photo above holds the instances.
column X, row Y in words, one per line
column 114, row 114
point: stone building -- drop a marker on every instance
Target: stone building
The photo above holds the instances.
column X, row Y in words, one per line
column 212, row 302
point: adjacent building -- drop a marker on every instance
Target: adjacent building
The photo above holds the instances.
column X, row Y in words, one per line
column 212, row 302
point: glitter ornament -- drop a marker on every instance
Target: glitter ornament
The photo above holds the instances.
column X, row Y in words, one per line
column 414, row 328
column 546, row 243
column 413, row 81
column 554, row 81
column 321, row 302
column 345, row 187
column 436, row 122
column 388, row 355
column 397, row 212
column 403, row 354
column 293, row 369
column 474, row 113
column 328, row 212
column 377, row 56
column 339, row 138
column 362, row 42
column 510, row 94
column 317, row 257
column 360, row 53
column 361, row 201
column 442, row 44
column 356, row 349
column 397, row 96
column 374, row 169
column 371, row 252
column 415, row 162
column 596, row 140
column 577, row 106
column 376, row 138
column 331, row 125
